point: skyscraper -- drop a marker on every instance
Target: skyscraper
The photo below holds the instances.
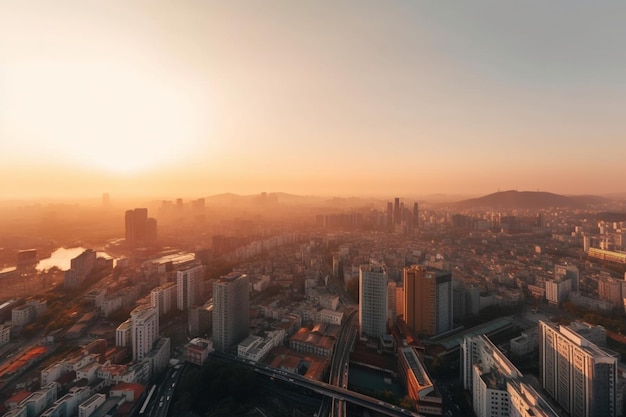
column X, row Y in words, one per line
column 373, row 299
column 189, row 280
column 139, row 228
column 396, row 211
column 144, row 322
column 231, row 306
column 580, row 376
column 427, row 300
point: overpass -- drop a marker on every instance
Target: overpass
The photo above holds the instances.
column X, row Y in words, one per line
column 322, row 388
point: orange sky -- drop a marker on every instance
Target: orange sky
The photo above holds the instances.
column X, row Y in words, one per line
column 187, row 99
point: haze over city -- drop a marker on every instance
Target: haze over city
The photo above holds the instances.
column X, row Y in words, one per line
column 351, row 98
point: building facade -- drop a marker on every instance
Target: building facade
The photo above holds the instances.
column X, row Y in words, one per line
column 144, row 330
column 189, row 289
column 427, row 300
column 231, row 305
column 373, row 300
column 577, row 374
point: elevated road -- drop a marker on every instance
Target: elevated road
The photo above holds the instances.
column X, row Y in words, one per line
column 323, row 388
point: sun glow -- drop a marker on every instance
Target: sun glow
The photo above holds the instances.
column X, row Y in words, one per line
column 103, row 117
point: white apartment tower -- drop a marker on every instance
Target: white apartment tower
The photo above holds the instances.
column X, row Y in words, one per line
column 231, row 305
column 189, row 289
column 373, row 300
column 144, row 330
column 163, row 297
column 580, row 376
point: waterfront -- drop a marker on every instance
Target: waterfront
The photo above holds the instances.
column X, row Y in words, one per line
column 62, row 257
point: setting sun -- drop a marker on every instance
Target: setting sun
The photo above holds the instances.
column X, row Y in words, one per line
column 99, row 116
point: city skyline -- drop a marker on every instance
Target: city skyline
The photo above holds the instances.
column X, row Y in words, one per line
column 357, row 98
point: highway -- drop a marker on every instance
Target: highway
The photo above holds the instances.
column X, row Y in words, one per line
column 158, row 404
column 339, row 363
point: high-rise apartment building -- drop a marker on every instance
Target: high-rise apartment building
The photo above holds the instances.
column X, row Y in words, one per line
column 566, row 271
column 577, row 374
column 139, row 228
column 231, row 306
column 427, row 300
column 144, row 330
column 163, row 297
column 373, row 299
column 189, row 290
column 498, row 388
column 391, row 300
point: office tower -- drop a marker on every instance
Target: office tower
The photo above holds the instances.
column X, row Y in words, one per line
column 144, row 331
column 189, row 291
column 373, row 299
column 136, row 224
column 396, row 211
column 580, row 376
column 427, row 300
column 231, row 306
column 416, row 216
column 139, row 228
column 390, row 215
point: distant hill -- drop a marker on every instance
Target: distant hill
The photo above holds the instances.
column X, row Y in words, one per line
column 530, row 200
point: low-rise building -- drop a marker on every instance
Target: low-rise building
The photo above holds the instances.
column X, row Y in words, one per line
column 197, row 351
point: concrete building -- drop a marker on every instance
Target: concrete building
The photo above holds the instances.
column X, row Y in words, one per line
column 22, row 315
column 418, row 383
column 255, row 348
column 557, row 291
column 427, row 300
column 610, row 289
column 526, row 402
column 392, row 306
column 122, row 334
column 5, row 334
column 231, row 305
column 190, row 281
column 200, row 319
column 88, row 407
column 373, row 300
column 139, row 228
column 158, row 356
column 498, row 388
column 198, row 350
column 144, row 330
column 526, row 343
column 39, row 400
column 80, row 267
column 577, row 374
column 570, row 272
column 163, row 297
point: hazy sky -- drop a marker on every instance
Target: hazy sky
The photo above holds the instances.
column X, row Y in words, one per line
column 191, row 98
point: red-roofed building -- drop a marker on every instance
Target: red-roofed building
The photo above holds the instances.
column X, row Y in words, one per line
column 132, row 392
column 12, row 402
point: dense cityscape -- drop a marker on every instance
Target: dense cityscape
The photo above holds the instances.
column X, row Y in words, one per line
column 275, row 208
column 274, row 304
